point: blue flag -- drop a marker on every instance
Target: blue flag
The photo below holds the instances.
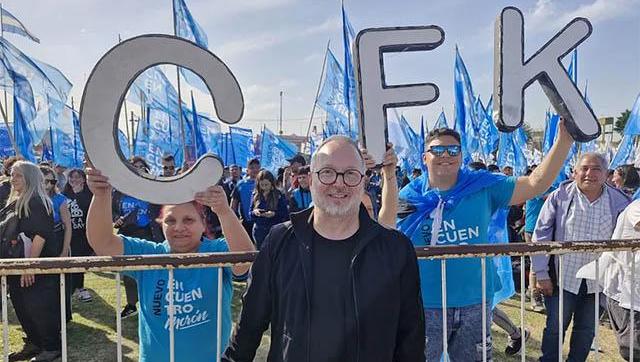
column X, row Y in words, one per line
column 441, row 122
column 633, row 123
column 200, row 146
column 67, row 149
column 423, row 135
column 551, row 128
column 11, row 24
column 124, row 144
column 49, row 87
column 348, row 36
column 625, row 154
column 6, row 148
column 465, row 121
column 153, row 88
column 141, row 143
column 591, row 145
column 573, row 67
column 241, row 145
column 510, row 154
column 413, row 159
column 23, row 112
column 186, row 27
column 333, row 99
column 488, row 135
column 78, row 147
column 275, row 151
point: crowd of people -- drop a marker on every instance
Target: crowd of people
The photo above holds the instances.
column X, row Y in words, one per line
column 336, row 277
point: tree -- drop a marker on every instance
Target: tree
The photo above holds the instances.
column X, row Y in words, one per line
column 621, row 121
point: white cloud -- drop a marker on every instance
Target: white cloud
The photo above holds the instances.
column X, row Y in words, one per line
column 226, row 8
column 329, row 25
column 546, row 14
column 601, row 10
column 249, row 44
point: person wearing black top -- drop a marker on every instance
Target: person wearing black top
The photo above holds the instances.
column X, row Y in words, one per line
column 35, row 298
column 333, row 284
column 79, row 197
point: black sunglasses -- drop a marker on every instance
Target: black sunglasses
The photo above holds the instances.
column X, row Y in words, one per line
column 53, row 182
column 438, row 151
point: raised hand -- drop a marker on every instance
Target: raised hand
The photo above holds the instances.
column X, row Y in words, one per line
column 215, row 198
column 98, row 183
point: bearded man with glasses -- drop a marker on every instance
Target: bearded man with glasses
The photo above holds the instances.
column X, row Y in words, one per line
column 452, row 205
column 333, row 284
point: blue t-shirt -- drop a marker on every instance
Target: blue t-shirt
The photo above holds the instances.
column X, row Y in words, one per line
column 467, row 223
column 129, row 204
column 195, row 301
column 532, row 210
column 243, row 191
column 57, row 200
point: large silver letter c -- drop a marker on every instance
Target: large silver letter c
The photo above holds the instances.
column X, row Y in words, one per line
column 105, row 91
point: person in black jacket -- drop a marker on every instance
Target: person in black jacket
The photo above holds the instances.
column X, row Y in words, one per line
column 333, row 284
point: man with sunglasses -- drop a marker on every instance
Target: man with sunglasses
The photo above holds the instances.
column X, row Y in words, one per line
column 333, row 284
column 453, row 205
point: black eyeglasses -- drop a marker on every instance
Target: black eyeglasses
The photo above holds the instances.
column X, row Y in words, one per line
column 438, row 151
column 329, row 176
column 53, row 182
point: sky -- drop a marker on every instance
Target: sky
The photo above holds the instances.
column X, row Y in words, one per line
column 279, row 45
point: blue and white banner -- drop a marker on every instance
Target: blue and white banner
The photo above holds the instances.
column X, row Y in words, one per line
column 241, row 145
column 275, row 151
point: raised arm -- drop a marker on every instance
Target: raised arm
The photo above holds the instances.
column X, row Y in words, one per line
column 233, row 231
column 65, row 216
column 99, row 227
column 389, row 209
column 543, row 176
column 389, row 198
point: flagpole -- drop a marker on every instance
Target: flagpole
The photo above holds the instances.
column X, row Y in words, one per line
column 4, row 110
column 182, row 133
column 324, row 63
column 75, row 137
column 195, row 140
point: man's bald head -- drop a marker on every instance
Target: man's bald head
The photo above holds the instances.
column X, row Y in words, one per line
column 326, row 148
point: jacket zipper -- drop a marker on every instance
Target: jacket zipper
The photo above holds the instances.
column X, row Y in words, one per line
column 355, row 306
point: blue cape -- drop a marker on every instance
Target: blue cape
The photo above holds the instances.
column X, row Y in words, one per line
column 425, row 200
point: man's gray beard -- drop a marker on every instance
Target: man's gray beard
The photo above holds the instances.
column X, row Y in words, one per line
column 351, row 208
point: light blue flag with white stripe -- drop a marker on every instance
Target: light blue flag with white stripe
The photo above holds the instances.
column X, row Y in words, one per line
column 11, row 24
column 186, row 27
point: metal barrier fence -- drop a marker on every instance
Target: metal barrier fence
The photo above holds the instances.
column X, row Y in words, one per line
column 119, row 264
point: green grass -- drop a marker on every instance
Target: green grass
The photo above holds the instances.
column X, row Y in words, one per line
column 92, row 333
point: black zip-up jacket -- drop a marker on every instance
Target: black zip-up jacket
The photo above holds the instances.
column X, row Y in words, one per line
column 387, row 318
